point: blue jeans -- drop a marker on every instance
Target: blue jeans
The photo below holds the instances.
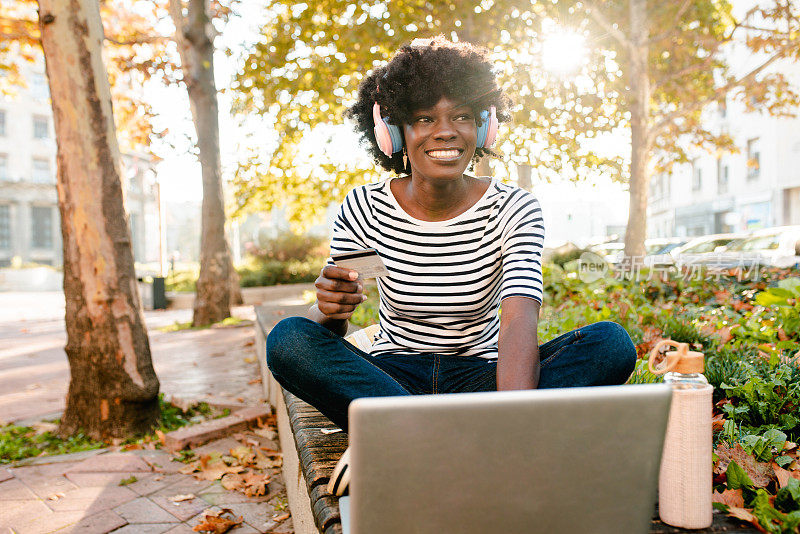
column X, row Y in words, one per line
column 326, row 371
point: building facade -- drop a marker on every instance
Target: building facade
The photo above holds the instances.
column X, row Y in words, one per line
column 758, row 186
column 30, row 230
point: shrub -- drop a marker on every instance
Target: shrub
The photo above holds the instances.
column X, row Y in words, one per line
column 271, row 272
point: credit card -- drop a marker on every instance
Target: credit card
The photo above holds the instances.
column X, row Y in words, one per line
column 366, row 263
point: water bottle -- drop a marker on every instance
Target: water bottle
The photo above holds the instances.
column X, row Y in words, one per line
column 685, row 480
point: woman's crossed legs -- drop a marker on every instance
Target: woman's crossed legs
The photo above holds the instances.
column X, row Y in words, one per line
column 326, row 371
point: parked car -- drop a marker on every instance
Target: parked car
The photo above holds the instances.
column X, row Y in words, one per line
column 611, row 252
column 706, row 244
column 659, row 251
column 769, row 247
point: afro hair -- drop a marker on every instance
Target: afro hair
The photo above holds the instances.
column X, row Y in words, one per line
column 417, row 77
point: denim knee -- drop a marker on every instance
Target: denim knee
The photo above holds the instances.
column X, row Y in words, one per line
column 619, row 352
column 283, row 341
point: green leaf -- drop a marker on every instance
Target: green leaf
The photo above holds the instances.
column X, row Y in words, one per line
column 788, row 498
column 768, row 298
column 720, row 506
column 775, row 438
column 736, row 477
column 767, row 515
column 790, row 284
column 784, row 460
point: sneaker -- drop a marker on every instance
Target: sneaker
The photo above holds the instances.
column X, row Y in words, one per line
column 340, row 478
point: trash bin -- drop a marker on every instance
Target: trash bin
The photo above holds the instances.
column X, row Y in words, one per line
column 152, row 292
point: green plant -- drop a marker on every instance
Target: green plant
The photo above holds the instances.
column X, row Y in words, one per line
column 642, row 375
column 20, row 442
column 130, row 480
column 761, row 401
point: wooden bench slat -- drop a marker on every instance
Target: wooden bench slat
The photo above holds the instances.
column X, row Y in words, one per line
column 326, row 507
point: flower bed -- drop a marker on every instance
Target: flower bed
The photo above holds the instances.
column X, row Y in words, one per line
column 749, row 331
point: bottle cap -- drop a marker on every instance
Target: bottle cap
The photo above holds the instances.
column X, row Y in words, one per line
column 682, row 360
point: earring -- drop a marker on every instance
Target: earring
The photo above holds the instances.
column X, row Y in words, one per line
column 405, row 159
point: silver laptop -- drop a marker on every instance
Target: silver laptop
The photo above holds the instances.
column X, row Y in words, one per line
column 551, row 461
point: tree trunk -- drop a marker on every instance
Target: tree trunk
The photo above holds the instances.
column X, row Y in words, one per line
column 639, row 95
column 193, row 34
column 113, row 390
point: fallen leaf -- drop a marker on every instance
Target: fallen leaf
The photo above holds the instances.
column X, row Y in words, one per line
column 160, row 435
column 55, row 496
column 781, row 475
column 789, row 446
column 743, row 514
column 215, row 468
column 717, row 422
column 232, row 482
column 181, row 498
column 249, row 343
column 282, row 517
column 245, row 455
column 255, row 381
column 188, row 469
column 262, row 462
column 330, row 430
column 255, row 484
column 250, row 359
column 239, row 399
column 265, row 433
column 759, row 472
column 733, row 498
column 215, row 523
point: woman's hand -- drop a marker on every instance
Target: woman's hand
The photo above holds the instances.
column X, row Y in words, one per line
column 339, row 292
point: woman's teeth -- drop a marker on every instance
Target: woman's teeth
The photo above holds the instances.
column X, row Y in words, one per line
column 443, row 154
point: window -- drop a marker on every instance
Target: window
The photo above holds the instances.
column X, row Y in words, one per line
column 41, row 171
column 722, row 177
column 5, row 227
column 39, row 88
column 4, row 167
column 697, row 176
column 42, row 227
column 753, row 159
column 2, row 123
column 41, row 127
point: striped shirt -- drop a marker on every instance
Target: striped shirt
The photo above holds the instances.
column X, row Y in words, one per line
column 446, row 278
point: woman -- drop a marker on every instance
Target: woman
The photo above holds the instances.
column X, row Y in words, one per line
column 455, row 246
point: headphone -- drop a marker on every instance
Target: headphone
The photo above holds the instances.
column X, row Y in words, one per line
column 390, row 140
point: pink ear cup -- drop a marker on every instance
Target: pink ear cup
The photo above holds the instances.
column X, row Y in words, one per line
column 491, row 133
column 382, row 135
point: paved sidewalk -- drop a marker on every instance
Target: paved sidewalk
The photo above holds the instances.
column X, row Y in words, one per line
column 82, row 493
column 34, row 373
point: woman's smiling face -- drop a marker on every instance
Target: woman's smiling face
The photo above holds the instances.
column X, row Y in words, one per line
column 441, row 140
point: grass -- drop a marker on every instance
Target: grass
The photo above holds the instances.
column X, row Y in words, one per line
column 20, row 442
column 179, row 326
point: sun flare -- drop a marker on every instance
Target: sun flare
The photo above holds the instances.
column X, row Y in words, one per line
column 563, row 52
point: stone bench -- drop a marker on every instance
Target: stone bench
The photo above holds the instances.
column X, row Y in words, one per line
column 309, row 456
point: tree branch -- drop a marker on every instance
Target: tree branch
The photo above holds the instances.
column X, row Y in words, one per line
column 678, row 15
column 143, row 40
column 614, row 32
column 666, row 121
column 695, row 67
